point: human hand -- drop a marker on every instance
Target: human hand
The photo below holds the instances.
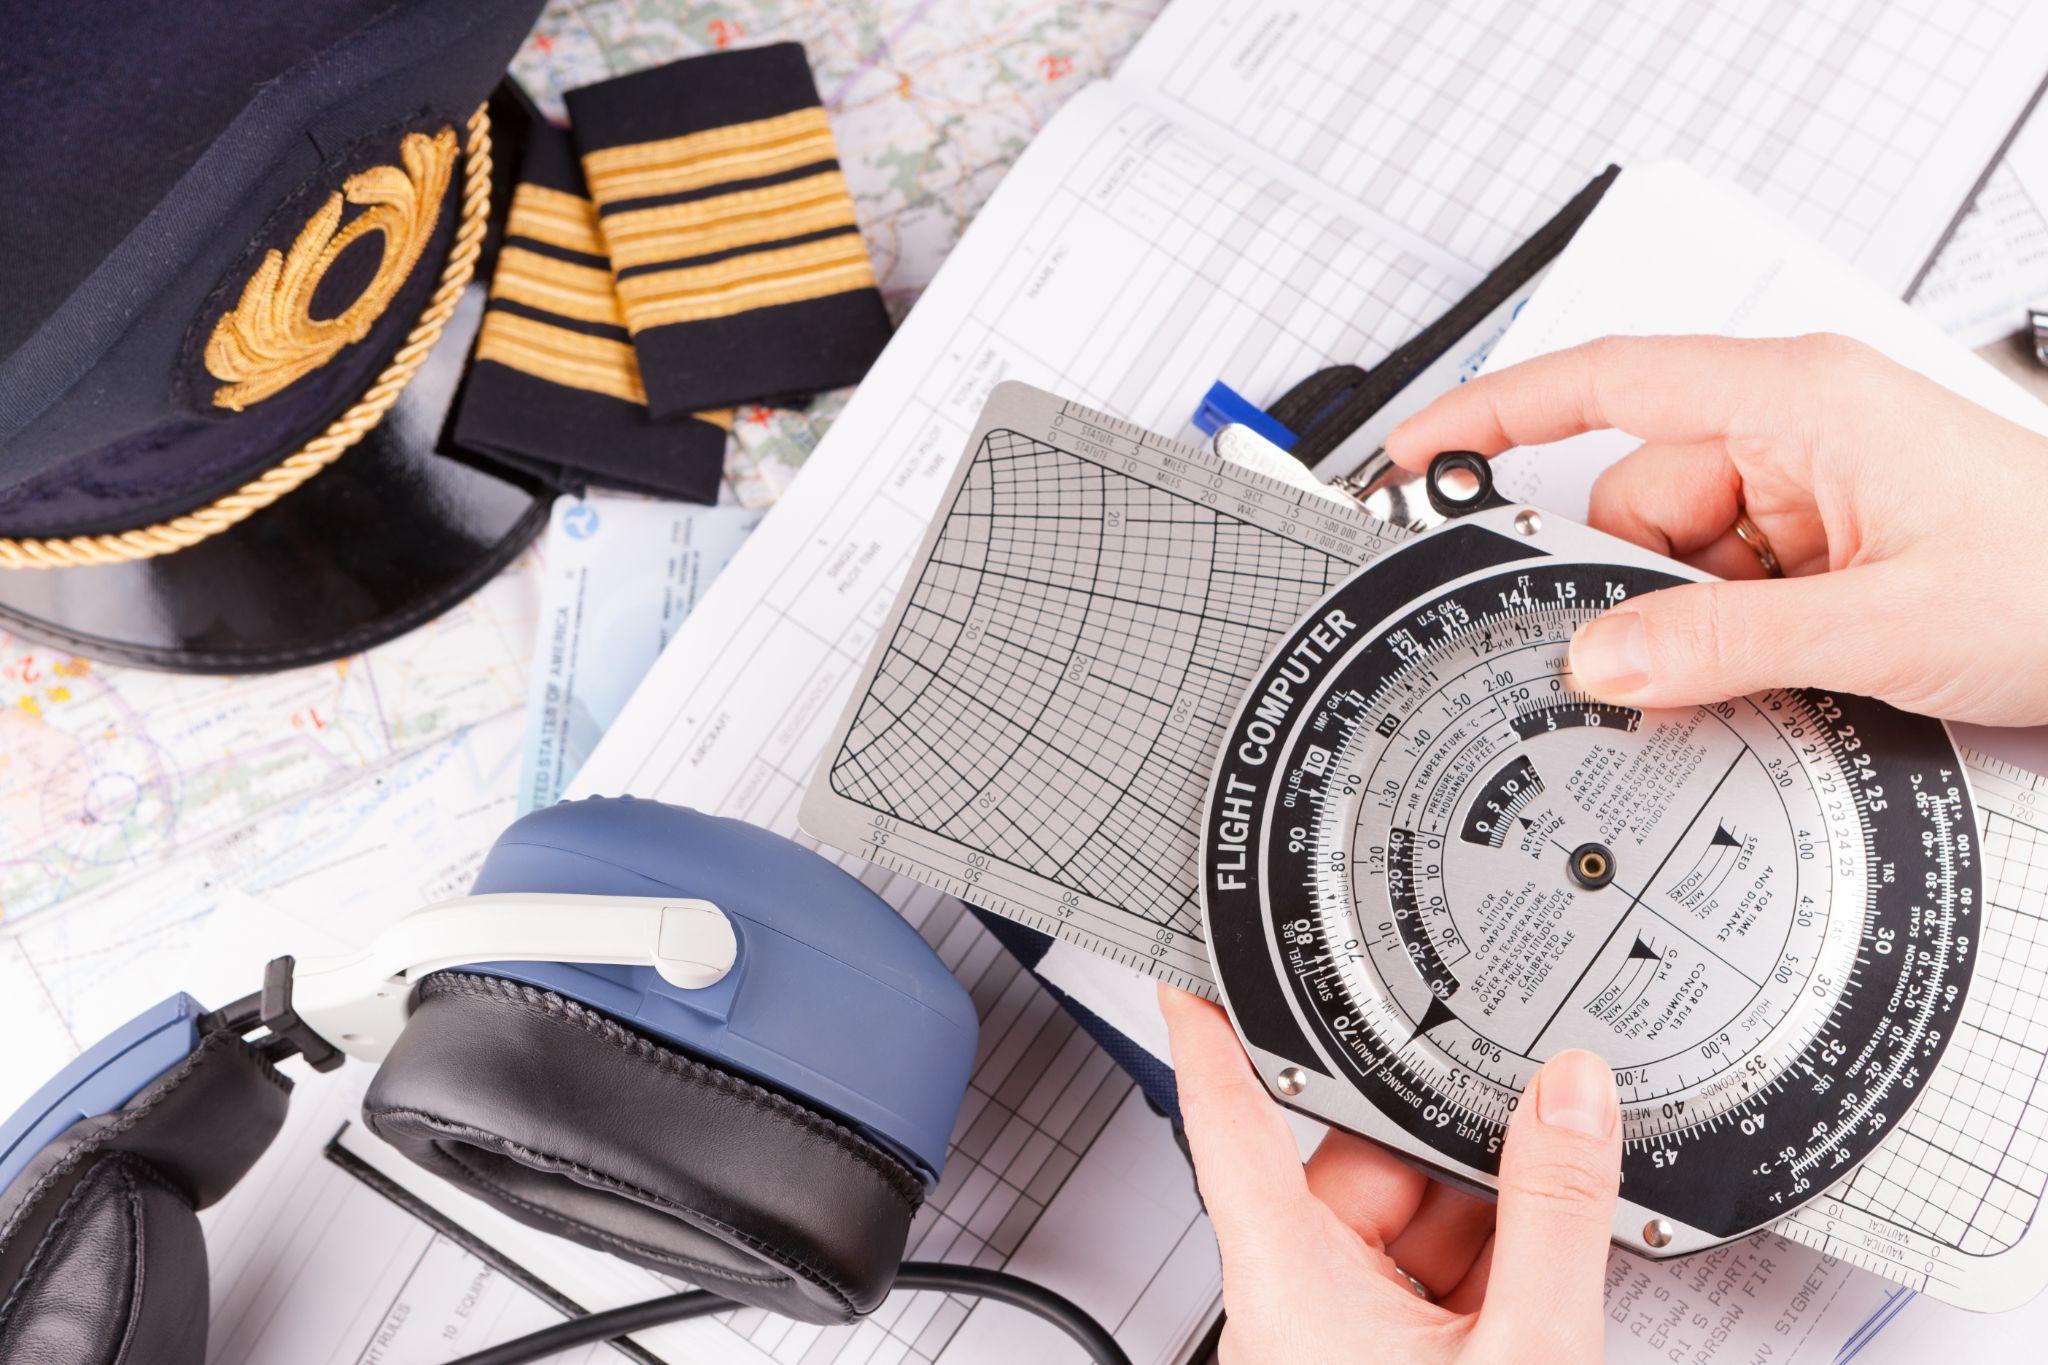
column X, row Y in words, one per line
column 1316, row 1256
column 1913, row 523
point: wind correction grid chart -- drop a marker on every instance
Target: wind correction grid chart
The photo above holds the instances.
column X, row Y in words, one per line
column 1071, row 642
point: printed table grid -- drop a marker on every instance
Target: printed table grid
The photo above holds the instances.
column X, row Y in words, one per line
column 1470, row 122
column 1341, row 295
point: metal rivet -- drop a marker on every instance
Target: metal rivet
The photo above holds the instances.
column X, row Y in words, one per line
column 1528, row 522
column 1291, row 1080
column 1658, row 1232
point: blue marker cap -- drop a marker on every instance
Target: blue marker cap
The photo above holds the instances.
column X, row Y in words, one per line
column 1223, row 406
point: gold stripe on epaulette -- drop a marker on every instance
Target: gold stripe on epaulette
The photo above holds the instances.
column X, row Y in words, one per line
column 738, row 151
column 582, row 292
column 722, row 222
column 555, row 217
column 560, row 356
column 740, row 284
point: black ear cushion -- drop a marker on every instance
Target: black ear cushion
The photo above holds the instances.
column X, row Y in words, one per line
column 116, row 1275
column 572, row 1123
column 101, row 1259
column 201, row 1125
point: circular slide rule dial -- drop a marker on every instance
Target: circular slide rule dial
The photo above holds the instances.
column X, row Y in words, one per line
column 1430, row 863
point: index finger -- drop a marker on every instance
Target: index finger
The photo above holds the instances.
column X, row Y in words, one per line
column 1679, row 390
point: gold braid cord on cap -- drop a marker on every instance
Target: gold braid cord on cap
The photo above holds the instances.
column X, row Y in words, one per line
column 324, row 449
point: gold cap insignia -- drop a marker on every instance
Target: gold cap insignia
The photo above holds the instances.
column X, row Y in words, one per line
column 270, row 339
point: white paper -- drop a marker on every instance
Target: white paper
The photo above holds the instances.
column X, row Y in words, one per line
column 1469, row 123
column 1761, row 1301
column 1079, row 276
column 1769, row 1301
column 1996, row 265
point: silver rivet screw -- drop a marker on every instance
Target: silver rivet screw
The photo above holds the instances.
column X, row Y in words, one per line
column 1528, row 522
column 1291, row 1080
column 1658, row 1232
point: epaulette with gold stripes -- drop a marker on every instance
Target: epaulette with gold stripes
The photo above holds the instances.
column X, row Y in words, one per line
column 741, row 272
column 556, row 388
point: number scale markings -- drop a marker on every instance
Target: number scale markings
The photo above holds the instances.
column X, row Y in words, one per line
column 1770, row 999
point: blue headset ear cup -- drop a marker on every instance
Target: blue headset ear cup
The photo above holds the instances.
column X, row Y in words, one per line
column 100, row 1251
column 575, row 1124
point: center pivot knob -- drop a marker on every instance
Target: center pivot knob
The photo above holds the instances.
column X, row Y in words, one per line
column 1591, row 865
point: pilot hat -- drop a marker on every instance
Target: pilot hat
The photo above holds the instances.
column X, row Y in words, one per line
column 240, row 252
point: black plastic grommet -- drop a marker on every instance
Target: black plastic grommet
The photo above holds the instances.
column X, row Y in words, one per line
column 1448, row 473
column 1591, row 865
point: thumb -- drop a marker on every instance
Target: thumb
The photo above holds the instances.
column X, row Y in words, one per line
column 1559, row 1175
column 1707, row 642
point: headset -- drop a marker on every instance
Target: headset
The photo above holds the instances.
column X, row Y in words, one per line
column 680, row 1039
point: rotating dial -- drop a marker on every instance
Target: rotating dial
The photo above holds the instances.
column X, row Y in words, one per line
column 1446, row 864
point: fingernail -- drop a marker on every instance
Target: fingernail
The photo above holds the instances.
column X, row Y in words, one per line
column 1575, row 1091
column 1611, row 654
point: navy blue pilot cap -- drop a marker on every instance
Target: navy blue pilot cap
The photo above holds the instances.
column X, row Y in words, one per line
column 240, row 261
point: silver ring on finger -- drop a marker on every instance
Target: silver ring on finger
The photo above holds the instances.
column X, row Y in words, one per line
column 1420, row 1289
